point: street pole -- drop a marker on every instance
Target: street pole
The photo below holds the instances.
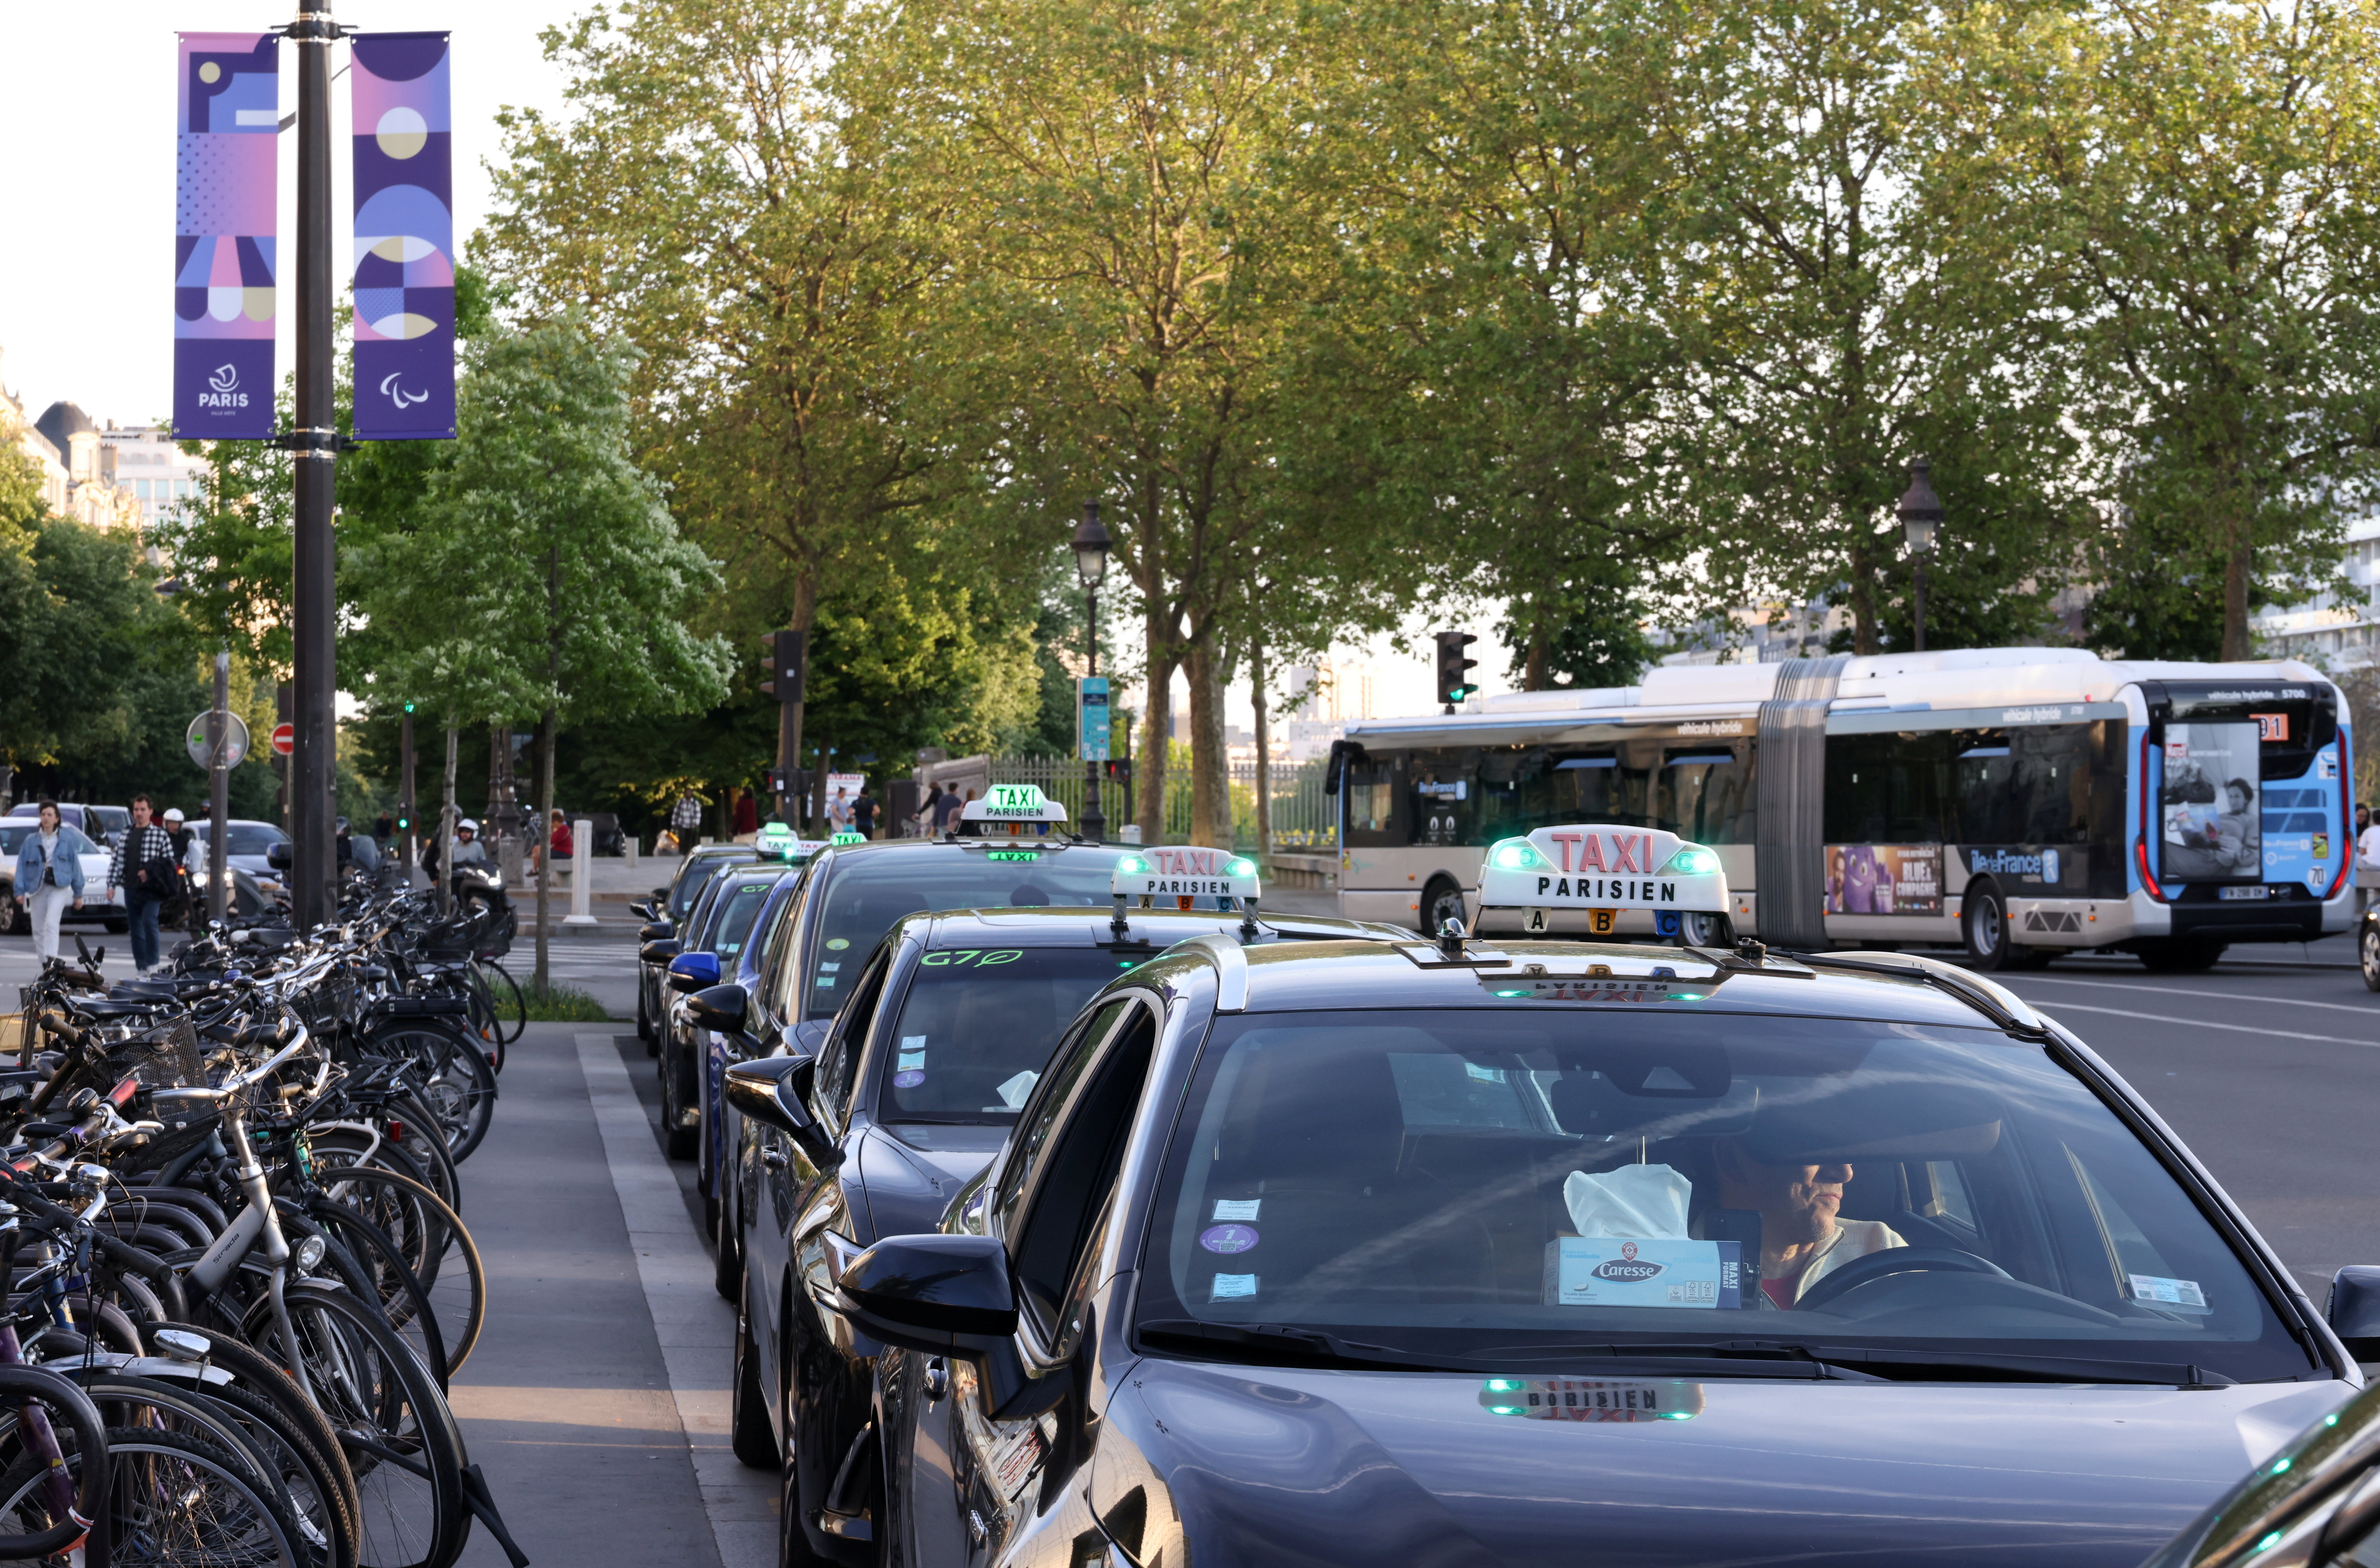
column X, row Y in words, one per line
column 1095, row 824
column 405, row 793
column 218, row 791
column 314, row 443
column 1921, row 603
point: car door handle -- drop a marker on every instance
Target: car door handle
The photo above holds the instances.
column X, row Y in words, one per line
column 774, row 1158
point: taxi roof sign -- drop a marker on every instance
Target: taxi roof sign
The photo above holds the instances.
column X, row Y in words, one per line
column 1601, row 866
column 847, row 836
column 776, row 841
column 1184, row 871
column 1012, row 803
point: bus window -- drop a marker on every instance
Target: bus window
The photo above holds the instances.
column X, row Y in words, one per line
column 2026, row 786
column 1889, row 788
column 1707, row 795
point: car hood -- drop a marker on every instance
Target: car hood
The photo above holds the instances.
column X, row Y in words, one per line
column 907, row 1188
column 1274, row 1466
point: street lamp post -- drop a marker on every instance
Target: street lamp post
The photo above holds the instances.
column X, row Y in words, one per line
column 1921, row 516
column 1091, row 544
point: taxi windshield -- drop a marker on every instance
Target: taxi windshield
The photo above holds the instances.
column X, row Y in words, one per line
column 866, row 893
column 1478, row 1180
column 694, row 880
column 732, row 922
column 979, row 1025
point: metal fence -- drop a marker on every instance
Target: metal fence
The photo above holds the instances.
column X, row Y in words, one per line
column 1301, row 814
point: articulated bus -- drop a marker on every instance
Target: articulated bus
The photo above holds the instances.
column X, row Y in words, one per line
column 2022, row 801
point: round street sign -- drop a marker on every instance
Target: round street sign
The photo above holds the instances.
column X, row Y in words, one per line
column 284, row 739
column 235, row 740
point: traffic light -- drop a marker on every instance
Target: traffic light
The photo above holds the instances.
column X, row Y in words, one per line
column 1453, row 685
column 408, row 705
column 404, row 821
column 784, row 659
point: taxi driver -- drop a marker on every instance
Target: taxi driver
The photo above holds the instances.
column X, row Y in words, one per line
column 1803, row 1239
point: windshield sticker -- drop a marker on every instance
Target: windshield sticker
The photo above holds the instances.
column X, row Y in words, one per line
column 1590, row 1399
column 1228, row 1238
column 908, row 1078
column 837, row 943
column 2183, row 1296
column 1012, row 1093
column 1610, row 1271
column 1237, row 1208
column 980, row 957
column 1232, row 1287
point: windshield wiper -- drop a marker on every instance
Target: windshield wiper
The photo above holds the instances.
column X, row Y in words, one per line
column 2018, row 1367
column 1312, row 1344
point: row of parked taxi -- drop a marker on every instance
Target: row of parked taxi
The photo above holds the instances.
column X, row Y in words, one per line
column 1079, row 1210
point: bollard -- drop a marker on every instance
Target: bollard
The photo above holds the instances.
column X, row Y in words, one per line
column 582, row 873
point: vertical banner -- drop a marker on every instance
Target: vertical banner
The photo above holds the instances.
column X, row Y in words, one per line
column 227, row 116
column 405, row 239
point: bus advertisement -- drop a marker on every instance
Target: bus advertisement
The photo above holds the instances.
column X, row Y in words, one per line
column 2020, row 801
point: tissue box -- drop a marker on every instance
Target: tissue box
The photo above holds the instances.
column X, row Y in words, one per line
column 1642, row 1271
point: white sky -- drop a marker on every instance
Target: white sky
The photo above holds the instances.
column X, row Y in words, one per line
column 85, row 278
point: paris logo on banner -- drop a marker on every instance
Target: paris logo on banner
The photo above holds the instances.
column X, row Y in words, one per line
column 405, row 239
column 227, row 111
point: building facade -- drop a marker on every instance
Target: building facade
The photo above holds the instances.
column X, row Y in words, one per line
column 153, row 470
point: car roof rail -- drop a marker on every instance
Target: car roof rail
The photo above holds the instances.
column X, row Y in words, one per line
column 1231, row 962
column 1995, row 1000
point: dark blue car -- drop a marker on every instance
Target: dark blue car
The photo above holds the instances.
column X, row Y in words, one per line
column 1430, row 1252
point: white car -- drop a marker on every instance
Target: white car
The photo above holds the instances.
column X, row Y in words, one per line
column 14, row 830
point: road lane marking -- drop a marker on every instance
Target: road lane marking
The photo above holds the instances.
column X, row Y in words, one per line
column 2372, row 1012
column 2204, row 1024
column 694, row 1328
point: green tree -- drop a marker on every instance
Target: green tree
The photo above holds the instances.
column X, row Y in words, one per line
column 547, row 580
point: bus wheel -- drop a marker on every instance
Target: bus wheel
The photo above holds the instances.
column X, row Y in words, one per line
column 1983, row 923
column 2179, row 955
column 1441, row 901
column 2367, row 947
column 1710, row 931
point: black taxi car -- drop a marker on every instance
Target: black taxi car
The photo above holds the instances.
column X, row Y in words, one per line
column 658, row 937
column 1508, row 1251
column 952, row 1019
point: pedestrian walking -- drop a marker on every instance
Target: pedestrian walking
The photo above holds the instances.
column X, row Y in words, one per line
column 927, row 808
column 685, row 821
column 863, row 813
column 949, row 809
column 747, row 817
column 49, row 876
column 838, row 812
column 142, row 876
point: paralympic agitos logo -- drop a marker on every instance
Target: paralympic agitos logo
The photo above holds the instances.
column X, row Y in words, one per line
column 1627, row 1266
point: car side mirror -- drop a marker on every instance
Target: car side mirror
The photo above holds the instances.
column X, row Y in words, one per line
column 656, row 931
column 690, row 972
column 661, row 896
column 932, row 1292
column 718, row 1008
column 640, row 909
column 660, row 952
column 2355, row 1309
column 774, row 1092
column 277, row 857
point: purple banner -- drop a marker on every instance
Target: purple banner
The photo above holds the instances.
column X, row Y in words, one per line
column 227, row 112
column 405, row 239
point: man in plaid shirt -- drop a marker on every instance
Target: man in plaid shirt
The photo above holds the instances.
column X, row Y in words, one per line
column 136, row 880
column 685, row 821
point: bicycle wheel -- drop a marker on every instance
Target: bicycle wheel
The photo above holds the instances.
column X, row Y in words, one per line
column 451, row 1076
column 403, row 1301
column 173, row 1500
column 431, row 1239
column 400, row 1439
column 152, row 1404
column 29, row 1522
column 511, row 1002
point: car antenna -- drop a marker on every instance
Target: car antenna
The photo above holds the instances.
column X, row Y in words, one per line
column 1449, row 937
column 1117, row 924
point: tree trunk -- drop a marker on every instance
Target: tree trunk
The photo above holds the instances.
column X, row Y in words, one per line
column 1864, row 638
column 789, row 715
column 1533, row 676
column 2238, row 567
column 545, row 727
column 1264, row 753
column 1211, row 766
column 445, row 876
column 1156, row 731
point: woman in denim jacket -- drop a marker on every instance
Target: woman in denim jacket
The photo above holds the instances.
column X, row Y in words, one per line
column 49, row 876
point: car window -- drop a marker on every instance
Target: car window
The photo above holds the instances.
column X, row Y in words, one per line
column 1077, row 1175
column 13, row 836
column 978, row 1024
column 864, row 894
column 777, row 968
column 734, row 921
column 1046, row 1104
column 839, row 1057
column 1485, row 1176
column 693, row 881
column 247, row 838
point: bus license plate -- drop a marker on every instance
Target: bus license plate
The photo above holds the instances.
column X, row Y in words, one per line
column 2258, row 892
column 1602, row 922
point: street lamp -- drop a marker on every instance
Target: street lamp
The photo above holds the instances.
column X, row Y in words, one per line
column 1921, row 516
column 1092, row 546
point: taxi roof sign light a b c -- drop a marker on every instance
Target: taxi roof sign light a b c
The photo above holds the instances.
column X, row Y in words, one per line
column 1186, row 873
column 1013, row 807
column 1601, row 866
column 777, row 842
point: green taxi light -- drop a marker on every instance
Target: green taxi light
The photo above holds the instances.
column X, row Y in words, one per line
column 847, row 836
column 1505, row 1410
column 1515, row 855
column 1691, row 860
column 1677, row 1414
column 1240, row 866
column 2281, row 1466
column 2267, row 1541
column 1503, row 1385
column 1132, row 866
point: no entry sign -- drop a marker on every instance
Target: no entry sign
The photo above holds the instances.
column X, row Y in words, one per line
column 284, row 739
